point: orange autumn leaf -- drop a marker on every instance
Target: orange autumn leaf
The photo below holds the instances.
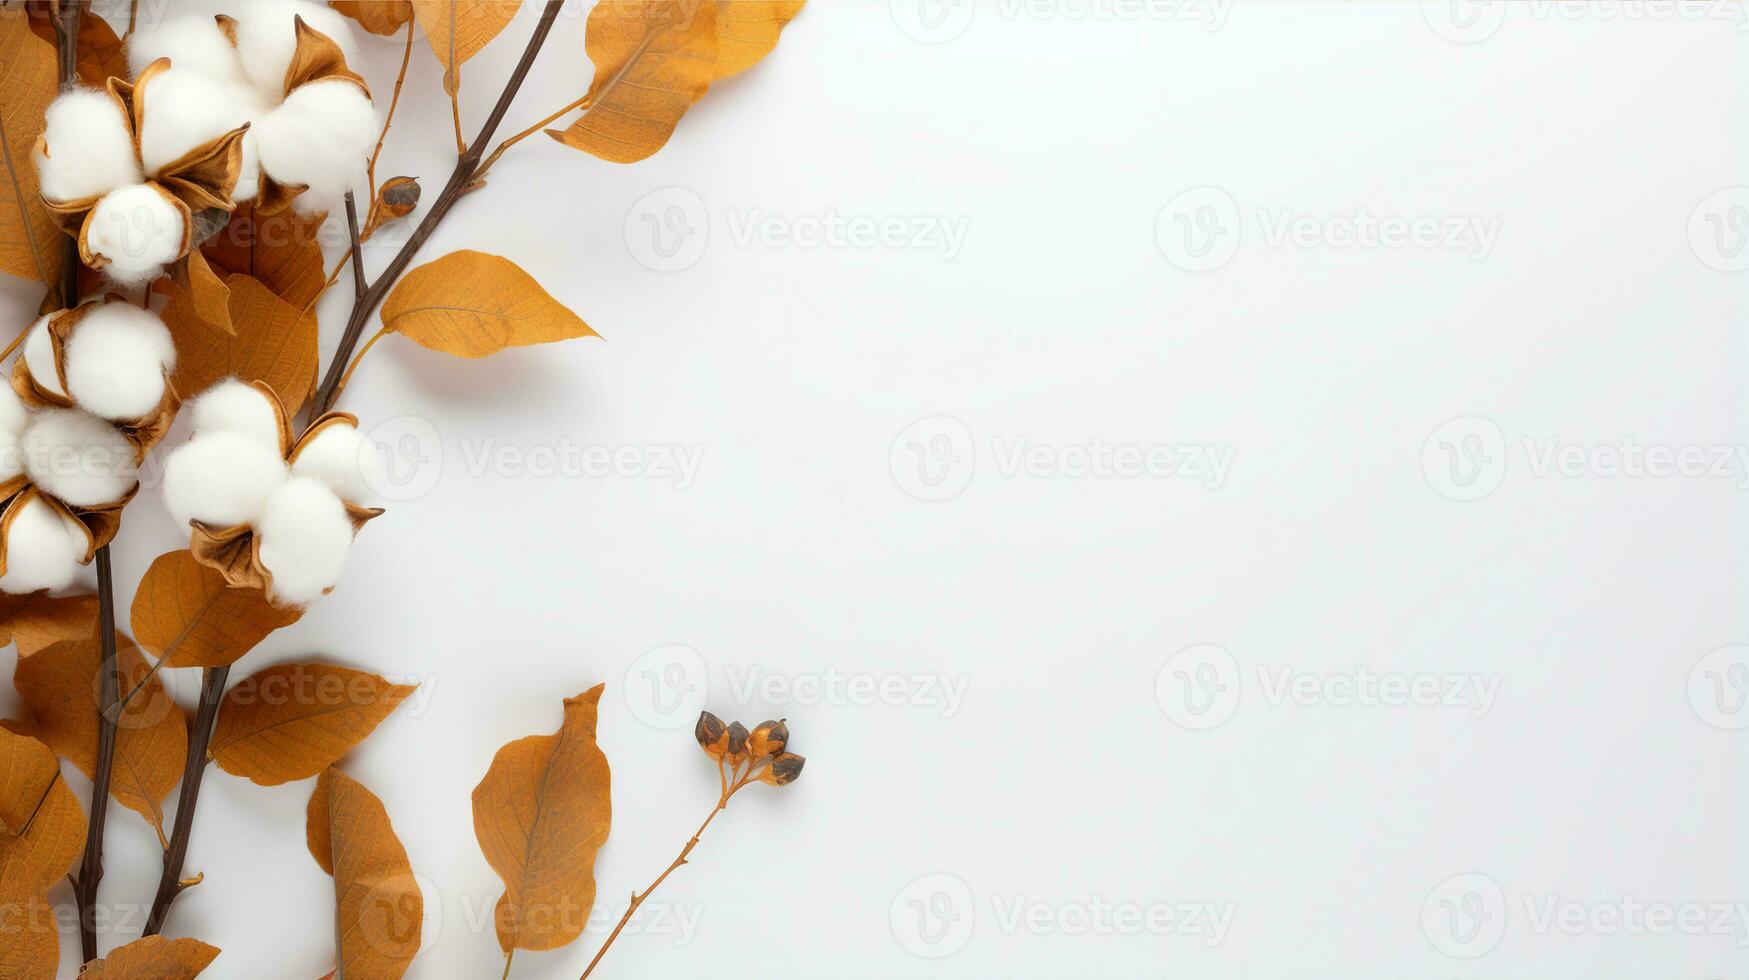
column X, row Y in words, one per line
column 60, row 687
column 28, row 769
column 153, row 958
column 747, row 31
column 32, row 861
column 472, row 304
column 187, row 616
column 30, row 242
column 207, row 296
column 292, row 721
column 653, row 59
column 540, row 814
column 44, row 620
column 283, row 250
column 274, row 342
column 458, row 29
column 379, row 910
column 376, row 16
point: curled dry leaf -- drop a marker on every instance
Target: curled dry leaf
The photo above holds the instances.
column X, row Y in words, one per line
column 153, row 958
column 60, row 686
column 379, row 911
column 207, row 297
column 458, row 29
column 377, row 16
column 292, row 721
column 187, row 616
column 540, row 814
column 747, row 31
column 27, row 770
column 30, row 239
column 274, row 342
column 283, row 250
column 472, row 304
column 653, row 59
column 32, row 860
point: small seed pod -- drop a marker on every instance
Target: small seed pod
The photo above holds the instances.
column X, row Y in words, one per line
column 783, row 770
column 737, row 735
column 768, row 739
column 397, row 198
column 711, row 735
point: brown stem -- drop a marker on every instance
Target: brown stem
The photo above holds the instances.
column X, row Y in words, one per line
column 358, row 283
column 525, row 134
column 91, row 868
column 459, row 183
column 455, row 113
column 406, row 58
column 170, row 885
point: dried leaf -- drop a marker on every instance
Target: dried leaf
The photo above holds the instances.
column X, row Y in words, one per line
column 46, row 619
column 61, row 688
column 458, row 29
column 153, row 958
column 377, row 16
column 283, row 250
column 30, row 240
column 31, row 862
column 653, row 59
column 32, row 950
column 540, row 814
column 379, row 911
column 275, row 342
column 471, row 304
column 186, row 615
column 27, row 770
column 292, row 721
column 207, row 297
column 747, row 30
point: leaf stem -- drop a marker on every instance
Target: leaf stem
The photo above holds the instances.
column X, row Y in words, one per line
column 455, row 113
column 406, row 58
column 170, row 885
column 346, row 378
column 109, row 685
column 525, row 134
column 358, row 281
column 459, row 181
column 511, row 955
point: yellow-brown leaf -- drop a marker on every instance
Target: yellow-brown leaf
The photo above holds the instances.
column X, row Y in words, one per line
column 747, row 30
column 153, row 958
column 27, row 769
column 283, row 250
column 187, row 616
column 30, row 242
column 540, row 814
column 32, row 950
column 653, row 59
column 377, row 16
column 207, row 296
column 274, row 342
column 380, row 912
column 31, row 862
column 60, row 686
column 47, row 619
column 292, row 721
column 472, row 304
column 458, row 29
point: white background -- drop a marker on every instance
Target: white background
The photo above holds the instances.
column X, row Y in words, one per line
column 1070, row 777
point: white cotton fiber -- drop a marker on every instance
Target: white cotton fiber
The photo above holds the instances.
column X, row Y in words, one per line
column 248, row 184
column 193, row 42
column 232, row 406
column 320, row 137
column 184, row 110
column 79, row 457
column 138, row 230
column 116, row 359
column 11, row 455
column 221, row 478
column 304, row 536
column 86, row 149
column 14, row 416
column 267, row 38
column 42, row 550
column 39, row 356
column 341, row 458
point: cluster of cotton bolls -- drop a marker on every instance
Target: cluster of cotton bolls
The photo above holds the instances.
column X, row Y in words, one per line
column 111, row 370
column 318, row 135
column 236, row 471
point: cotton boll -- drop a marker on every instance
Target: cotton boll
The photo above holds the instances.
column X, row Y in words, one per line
column 305, row 535
column 86, row 148
column 221, row 478
column 232, row 406
column 340, row 457
column 14, row 415
column 79, row 457
column 267, row 37
column 321, row 137
column 138, row 230
column 42, row 550
column 116, row 360
column 193, row 42
column 39, row 356
column 185, row 109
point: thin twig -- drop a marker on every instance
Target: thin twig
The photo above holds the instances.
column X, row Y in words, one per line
column 459, row 181
column 346, row 378
column 582, row 103
column 358, row 283
column 170, row 884
column 109, row 686
column 406, row 57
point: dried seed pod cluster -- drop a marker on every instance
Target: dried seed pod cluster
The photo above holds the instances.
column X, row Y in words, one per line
column 736, row 747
